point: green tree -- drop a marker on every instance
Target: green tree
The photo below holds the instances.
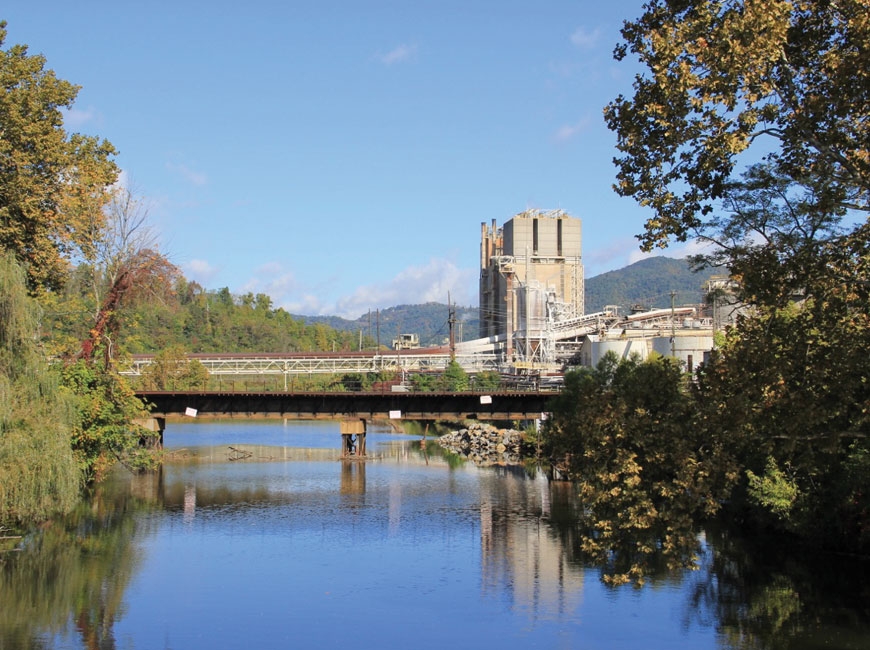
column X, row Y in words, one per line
column 624, row 432
column 790, row 384
column 53, row 185
column 787, row 387
column 106, row 431
column 487, row 380
column 770, row 233
column 38, row 473
column 454, row 378
column 173, row 370
column 788, row 76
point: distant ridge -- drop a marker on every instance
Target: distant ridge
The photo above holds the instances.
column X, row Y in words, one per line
column 647, row 283
column 428, row 321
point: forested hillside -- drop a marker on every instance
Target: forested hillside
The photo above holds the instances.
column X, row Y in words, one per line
column 647, row 283
column 200, row 320
column 429, row 321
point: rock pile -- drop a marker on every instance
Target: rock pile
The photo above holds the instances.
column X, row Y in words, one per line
column 485, row 444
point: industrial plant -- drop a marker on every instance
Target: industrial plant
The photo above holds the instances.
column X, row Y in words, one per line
column 532, row 315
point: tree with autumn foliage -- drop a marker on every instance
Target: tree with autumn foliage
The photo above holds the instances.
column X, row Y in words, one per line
column 53, row 184
column 789, row 79
column 784, row 85
column 625, row 432
column 58, row 213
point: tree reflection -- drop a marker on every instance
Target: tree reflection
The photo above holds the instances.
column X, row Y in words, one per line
column 759, row 597
column 70, row 577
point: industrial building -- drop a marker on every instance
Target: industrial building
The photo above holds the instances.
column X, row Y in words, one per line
column 531, row 275
column 532, row 304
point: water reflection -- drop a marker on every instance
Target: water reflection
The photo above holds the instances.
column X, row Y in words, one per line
column 69, row 578
column 353, row 477
column 762, row 597
column 521, row 553
column 307, row 546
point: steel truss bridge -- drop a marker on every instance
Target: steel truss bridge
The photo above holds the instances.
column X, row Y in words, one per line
column 326, row 363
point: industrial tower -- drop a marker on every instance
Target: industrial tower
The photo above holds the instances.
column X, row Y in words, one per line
column 531, row 276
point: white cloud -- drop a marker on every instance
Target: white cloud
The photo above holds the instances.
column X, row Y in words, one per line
column 399, row 54
column 677, row 251
column 191, row 176
column 75, row 118
column 199, row 271
column 626, row 251
column 273, row 280
column 584, row 38
column 571, row 131
column 307, row 305
column 433, row 282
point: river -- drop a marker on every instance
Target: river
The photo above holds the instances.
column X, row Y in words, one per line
column 256, row 535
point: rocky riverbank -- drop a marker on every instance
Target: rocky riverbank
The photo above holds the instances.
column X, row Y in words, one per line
column 485, row 444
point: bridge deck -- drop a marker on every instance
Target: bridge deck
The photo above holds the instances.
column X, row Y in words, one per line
column 516, row 405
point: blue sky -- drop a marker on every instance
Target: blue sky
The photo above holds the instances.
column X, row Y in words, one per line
column 340, row 156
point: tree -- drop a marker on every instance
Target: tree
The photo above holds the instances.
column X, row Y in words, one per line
column 454, row 378
column 770, row 236
column 173, row 370
column 789, row 384
column 53, row 185
column 787, row 388
column 724, row 75
column 106, row 431
column 126, row 266
column 625, row 433
column 38, row 473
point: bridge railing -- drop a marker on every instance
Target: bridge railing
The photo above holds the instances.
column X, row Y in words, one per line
column 311, row 365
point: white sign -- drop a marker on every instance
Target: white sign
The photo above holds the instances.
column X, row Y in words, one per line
column 190, row 412
column 395, row 415
column 486, row 399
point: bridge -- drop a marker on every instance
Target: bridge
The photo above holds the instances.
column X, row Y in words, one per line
column 351, row 409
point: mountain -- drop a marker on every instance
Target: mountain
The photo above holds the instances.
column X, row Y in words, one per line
column 428, row 321
column 648, row 283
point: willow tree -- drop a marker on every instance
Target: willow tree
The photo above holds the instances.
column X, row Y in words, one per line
column 53, row 184
column 38, row 473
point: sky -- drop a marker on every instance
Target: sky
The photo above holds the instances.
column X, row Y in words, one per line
column 341, row 155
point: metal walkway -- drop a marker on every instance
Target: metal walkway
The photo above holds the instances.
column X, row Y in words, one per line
column 310, row 364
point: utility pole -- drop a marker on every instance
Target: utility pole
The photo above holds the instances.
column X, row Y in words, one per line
column 673, row 327
column 451, row 322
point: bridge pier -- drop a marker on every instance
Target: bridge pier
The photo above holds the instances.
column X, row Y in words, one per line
column 153, row 424
column 353, row 438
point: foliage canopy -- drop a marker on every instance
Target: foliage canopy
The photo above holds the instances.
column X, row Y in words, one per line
column 53, row 185
column 38, row 473
column 791, row 76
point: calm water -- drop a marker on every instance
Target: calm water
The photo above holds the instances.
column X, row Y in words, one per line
column 292, row 548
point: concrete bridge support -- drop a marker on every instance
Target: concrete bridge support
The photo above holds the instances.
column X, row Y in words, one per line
column 353, row 438
column 153, row 424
